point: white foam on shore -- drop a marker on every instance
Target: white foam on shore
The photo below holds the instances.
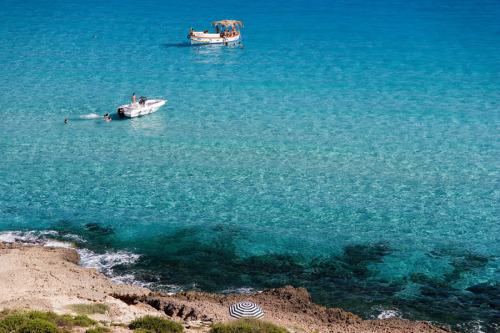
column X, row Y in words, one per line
column 75, row 238
column 54, row 243
column 45, row 238
column 129, row 279
column 9, row 237
column 242, row 290
column 171, row 289
column 105, row 263
column 476, row 326
column 389, row 314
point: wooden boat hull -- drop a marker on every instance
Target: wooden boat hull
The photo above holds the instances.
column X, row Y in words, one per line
column 203, row 38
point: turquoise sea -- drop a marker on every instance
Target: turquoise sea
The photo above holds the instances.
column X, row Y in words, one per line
column 351, row 147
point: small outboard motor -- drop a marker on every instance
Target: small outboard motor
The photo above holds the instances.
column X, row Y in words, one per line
column 121, row 112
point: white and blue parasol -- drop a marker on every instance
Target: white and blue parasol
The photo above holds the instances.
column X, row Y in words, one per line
column 246, row 309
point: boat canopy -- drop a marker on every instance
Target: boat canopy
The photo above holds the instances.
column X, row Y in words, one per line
column 227, row 23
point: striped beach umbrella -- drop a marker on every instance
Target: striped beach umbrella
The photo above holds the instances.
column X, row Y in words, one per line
column 246, row 309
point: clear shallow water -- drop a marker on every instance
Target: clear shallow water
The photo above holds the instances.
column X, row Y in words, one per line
column 355, row 153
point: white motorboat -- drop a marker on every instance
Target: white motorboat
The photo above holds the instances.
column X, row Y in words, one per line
column 144, row 106
column 226, row 32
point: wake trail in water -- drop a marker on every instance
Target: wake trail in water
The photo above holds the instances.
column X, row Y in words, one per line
column 91, row 116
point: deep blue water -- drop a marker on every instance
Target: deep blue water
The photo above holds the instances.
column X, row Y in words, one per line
column 351, row 148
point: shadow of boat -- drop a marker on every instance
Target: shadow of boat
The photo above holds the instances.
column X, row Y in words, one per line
column 178, row 45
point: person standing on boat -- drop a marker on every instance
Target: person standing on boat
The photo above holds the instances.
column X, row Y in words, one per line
column 133, row 98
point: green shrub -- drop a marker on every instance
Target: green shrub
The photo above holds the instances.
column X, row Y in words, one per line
column 64, row 320
column 13, row 322
column 38, row 325
column 83, row 321
column 47, row 316
column 40, row 322
column 156, row 325
column 143, row 330
column 247, row 325
column 220, row 328
column 5, row 312
column 87, row 309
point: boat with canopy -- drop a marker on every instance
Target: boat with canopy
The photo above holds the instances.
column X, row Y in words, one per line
column 226, row 32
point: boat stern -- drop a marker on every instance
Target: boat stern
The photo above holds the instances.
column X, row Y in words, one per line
column 121, row 112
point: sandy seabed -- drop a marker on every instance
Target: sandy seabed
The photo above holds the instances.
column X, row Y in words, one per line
column 44, row 278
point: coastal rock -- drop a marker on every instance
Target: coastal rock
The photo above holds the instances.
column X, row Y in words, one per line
column 290, row 300
column 172, row 307
column 128, row 294
column 298, row 300
column 70, row 256
column 49, row 279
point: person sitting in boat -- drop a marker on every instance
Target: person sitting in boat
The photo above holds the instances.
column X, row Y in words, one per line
column 217, row 29
column 205, row 31
column 191, row 32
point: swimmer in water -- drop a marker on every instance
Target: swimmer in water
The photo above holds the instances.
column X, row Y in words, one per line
column 108, row 119
column 65, row 121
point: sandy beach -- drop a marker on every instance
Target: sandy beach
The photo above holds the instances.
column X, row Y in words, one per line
column 50, row 279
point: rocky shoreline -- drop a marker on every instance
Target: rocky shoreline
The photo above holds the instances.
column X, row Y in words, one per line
column 50, row 279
